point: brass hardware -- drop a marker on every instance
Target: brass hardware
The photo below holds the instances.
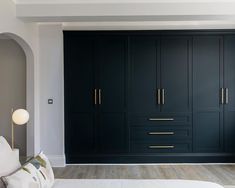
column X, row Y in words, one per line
column 226, row 95
column 95, row 97
column 161, row 147
column 100, row 97
column 158, row 96
column 161, row 133
column 12, row 132
column 222, row 95
column 161, row 119
column 163, row 96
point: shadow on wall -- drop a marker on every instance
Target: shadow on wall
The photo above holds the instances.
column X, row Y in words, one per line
column 17, row 89
column 13, row 88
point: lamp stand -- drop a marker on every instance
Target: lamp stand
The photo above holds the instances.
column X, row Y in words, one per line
column 18, row 117
column 12, row 131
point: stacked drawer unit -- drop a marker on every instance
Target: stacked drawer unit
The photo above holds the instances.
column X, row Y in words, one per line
column 160, row 94
column 161, row 134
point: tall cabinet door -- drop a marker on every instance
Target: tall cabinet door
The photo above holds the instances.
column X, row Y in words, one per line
column 176, row 74
column 144, row 75
column 79, row 92
column 111, row 56
column 207, row 84
column 229, row 84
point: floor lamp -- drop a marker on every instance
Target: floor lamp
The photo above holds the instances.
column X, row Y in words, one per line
column 19, row 117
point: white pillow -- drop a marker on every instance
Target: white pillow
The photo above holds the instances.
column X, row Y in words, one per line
column 44, row 169
column 26, row 177
column 9, row 161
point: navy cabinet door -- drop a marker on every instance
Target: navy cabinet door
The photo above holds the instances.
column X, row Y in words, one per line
column 229, row 84
column 176, row 74
column 111, row 56
column 207, row 84
column 144, row 75
column 79, row 92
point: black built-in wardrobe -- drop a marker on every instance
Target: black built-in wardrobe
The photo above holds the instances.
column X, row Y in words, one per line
column 149, row 96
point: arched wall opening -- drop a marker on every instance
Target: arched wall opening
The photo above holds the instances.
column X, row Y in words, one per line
column 30, row 92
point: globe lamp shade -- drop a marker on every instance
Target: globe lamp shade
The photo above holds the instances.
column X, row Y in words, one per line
column 20, row 117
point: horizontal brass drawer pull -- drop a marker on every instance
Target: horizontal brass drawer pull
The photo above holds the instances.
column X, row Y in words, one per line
column 161, row 133
column 161, row 147
column 161, row 119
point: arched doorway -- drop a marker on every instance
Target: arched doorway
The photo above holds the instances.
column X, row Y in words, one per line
column 31, row 138
column 13, row 89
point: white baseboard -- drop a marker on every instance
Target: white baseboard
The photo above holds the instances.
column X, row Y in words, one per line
column 57, row 160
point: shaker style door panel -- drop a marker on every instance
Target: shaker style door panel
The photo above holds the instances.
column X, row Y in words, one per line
column 207, row 132
column 79, row 103
column 229, row 80
column 229, row 131
column 144, row 75
column 81, row 134
column 176, row 74
column 207, row 84
column 112, row 133
column 79, row 70
column 111, row 58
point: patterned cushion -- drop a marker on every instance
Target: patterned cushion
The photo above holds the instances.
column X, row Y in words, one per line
column 25, row 177
column 36, row 173
column 44, row 170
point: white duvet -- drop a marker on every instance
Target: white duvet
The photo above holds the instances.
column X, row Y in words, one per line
column 107, row 183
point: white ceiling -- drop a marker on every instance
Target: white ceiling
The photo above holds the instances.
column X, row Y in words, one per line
column 148, row 14
column 114, row 1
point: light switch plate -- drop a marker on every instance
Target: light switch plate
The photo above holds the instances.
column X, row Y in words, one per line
column 50, row 101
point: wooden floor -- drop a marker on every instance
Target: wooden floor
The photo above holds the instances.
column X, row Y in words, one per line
column 222, row 174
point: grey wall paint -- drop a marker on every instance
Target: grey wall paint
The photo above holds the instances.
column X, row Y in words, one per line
column 12, row 90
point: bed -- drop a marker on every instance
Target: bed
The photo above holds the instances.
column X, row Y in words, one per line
column 120, row 183
column 10, row 162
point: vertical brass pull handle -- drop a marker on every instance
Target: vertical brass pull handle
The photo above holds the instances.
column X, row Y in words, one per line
column 95, row 97
column 100, row 97
column 158, row 96
column 163, row 96
column 222, row 95
column 226, row 95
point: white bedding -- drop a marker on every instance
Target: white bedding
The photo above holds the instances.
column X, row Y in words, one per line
column 107, row 183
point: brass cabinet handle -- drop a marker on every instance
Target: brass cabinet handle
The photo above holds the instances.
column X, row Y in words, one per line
column 100, row 97
column 158, row 96
column 161, row 133
column 95, row 97
column 226, row 95
column 163, row 96
column 161, row 119
column 161, row 147
column 222, row 95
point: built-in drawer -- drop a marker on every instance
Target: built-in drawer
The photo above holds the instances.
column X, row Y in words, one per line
column 159, row 133
column 151, row 120
column 161, row 147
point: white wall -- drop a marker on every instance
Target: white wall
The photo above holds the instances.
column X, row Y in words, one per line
column 51, row 87
column 26, row 36
column 9, row 23
column 44, row 80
